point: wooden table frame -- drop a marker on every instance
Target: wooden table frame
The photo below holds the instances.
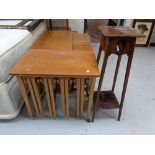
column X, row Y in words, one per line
column 29, row 84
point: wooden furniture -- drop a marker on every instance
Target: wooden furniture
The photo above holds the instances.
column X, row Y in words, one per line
column 60, row 40
column 119, row 41
column 63, row 40
column 91, row 27
column 57, row 24
column 55, row 59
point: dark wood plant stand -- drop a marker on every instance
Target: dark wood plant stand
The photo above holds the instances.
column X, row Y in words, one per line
column 119, row 41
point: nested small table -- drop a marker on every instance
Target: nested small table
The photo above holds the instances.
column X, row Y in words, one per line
column 63, row 40
column 119, row 41
column 49, row 61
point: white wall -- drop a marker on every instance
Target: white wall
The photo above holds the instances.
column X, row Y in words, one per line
column 77, row 25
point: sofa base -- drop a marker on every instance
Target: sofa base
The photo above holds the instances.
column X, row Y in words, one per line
column 13, row 114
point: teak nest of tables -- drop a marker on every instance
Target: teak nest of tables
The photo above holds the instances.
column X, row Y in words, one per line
column 57, row 59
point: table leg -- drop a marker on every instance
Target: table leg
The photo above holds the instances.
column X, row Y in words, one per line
column 82, row 97
column 67, row 97
column 87, row 86
column 48, row 96
column 52, row 96
column 78, row 98
column 62, row 87
column 33, row 96
column 91, row 93
column 36, row 91
column 26, row 100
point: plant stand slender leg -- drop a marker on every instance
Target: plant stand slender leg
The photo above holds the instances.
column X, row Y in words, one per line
column 99, row 53
column 100, row 83
column 125, row 84
column 116, row 72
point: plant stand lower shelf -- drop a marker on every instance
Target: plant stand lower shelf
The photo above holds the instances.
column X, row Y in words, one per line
column 107, row 100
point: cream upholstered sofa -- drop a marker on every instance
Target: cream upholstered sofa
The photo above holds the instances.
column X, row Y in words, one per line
column 13, row 44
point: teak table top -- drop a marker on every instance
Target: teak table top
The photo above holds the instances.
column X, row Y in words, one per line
column 59, row 53
column 62, row 40
column 119, row 31
column 80, row 38
column 37, row 62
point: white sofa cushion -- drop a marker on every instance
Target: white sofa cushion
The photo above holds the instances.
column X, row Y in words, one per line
column 12, row 49
column 10, row 38
column 13, row 45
